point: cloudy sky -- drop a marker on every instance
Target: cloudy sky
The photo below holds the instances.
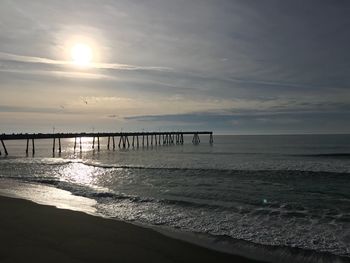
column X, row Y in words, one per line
column 234, row 67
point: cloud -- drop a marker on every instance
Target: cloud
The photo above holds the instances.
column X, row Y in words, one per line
column 28, row 109
column 188, row 62
column 286, row 112
column 253, row 122
column 39, row 60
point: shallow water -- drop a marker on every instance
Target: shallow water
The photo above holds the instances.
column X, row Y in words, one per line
column 288, row 191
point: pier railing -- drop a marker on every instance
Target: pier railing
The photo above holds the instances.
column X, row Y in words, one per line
column 137, row 139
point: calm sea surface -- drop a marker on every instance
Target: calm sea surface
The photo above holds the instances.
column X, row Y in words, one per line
column 287, row 191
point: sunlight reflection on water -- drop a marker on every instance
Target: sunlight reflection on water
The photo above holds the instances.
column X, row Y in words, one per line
column 46, row 195
column 79, row 173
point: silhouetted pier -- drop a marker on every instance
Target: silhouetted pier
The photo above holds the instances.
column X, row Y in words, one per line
column 126, row 139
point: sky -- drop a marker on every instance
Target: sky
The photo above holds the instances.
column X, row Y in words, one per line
column 233, row 67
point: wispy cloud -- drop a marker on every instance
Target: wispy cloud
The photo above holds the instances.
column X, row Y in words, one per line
column 40, row 60
column 67, row 74
column 21, row 109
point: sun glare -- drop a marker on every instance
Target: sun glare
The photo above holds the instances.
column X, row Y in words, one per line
column 81, row 54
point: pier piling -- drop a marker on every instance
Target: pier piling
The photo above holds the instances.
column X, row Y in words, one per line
column 3, row 145
column 33, row 145
column 59, row 146
column 196, row 139
column 27, row 147
column 53, row 145
column 124, row 142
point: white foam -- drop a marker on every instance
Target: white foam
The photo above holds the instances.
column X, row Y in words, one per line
column 46, row 195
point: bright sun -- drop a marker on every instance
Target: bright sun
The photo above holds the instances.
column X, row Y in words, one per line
column 81, row 54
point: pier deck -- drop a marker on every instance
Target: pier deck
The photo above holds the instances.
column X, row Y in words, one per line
column 139, row 139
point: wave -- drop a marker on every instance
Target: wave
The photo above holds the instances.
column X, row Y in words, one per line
column 335, row 155
column 185, row 172
column 81, row 190
column 251, row 170
column 273, row 253
column 103, row 195
column 96, row 193
column 224, row 170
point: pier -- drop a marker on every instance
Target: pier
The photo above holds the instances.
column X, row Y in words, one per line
column 124, row 139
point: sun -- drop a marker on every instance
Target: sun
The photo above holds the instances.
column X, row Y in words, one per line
column 81, row 54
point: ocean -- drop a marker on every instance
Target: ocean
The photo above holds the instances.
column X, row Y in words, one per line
column 282, row 195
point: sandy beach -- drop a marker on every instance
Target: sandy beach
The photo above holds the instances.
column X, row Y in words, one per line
column 37, row 233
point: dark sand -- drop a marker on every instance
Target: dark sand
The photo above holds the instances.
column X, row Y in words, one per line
column 35, row 233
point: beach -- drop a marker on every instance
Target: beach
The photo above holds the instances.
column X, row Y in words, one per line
column 38, row 233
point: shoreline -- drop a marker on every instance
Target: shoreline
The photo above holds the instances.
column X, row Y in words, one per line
column 39, row 233
column 42, row 198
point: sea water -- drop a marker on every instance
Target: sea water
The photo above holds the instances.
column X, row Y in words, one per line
column 271, row 191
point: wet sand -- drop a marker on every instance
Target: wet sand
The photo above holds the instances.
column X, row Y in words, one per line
column 36, row 233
